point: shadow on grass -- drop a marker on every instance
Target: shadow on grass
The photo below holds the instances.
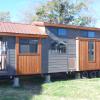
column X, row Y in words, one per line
column 30, row 86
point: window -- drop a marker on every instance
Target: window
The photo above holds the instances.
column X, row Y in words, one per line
column 61, row 48
column 62, row 32
column 84, row 33
column 28, row 45
column 58, row 48
column 91, row 51
column 91, row 34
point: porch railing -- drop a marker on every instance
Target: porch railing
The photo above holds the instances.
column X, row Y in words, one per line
column 2, row 62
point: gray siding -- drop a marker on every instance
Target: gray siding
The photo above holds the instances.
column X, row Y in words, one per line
column 11, row 55
column 63, row 62
column 57, row 62
column 98, row 35
column 45, row 46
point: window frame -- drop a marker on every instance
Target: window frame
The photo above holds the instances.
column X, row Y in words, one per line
column 94, row 56
column 29, row 53
column 93, row 33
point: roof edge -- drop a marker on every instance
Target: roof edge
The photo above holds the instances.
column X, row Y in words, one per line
column 44, row 24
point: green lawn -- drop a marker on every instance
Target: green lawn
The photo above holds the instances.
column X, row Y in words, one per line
column 80, row 89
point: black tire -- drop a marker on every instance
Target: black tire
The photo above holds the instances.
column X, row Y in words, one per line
column 84, row 75
column 93, row 74
column 98, row 73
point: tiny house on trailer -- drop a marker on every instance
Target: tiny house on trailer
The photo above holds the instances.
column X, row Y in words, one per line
column 70, row 48
column 43, row 48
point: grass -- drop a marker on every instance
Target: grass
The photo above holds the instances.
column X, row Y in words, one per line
column 80, row 89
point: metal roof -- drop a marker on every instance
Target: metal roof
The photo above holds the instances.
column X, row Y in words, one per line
column 9, row 27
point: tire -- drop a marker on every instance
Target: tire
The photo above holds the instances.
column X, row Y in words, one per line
column 84, row 75
column 93, row 74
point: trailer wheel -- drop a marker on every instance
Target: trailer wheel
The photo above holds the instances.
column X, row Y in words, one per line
column 93, row 74
column 98, row 73
column 84, row 75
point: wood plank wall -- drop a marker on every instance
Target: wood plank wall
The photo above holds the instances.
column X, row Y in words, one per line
column 84, row 63
column 28, row 63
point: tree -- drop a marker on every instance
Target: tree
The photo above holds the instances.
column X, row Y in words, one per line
column 64, row 11
column 4, row 16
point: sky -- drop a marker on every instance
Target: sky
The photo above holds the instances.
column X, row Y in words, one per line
column 15, row 7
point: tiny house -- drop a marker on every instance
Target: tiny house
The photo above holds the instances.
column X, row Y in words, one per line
column 44, row 48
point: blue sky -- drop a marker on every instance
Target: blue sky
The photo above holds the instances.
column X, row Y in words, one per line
column 15, row 7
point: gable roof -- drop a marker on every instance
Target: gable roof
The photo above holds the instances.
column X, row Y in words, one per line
column 17, row 28
column 65, row 26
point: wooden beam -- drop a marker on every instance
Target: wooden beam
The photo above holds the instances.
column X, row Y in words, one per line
column 17, row 53
column 23, row 35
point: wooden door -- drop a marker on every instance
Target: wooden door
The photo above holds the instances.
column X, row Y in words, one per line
column 86, row 61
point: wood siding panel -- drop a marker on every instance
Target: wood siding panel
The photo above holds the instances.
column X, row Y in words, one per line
column 83, row 60
column 28, row 64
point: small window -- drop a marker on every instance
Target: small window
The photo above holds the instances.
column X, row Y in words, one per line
column 28, row 45
column 62, row 32
column 59, row 48
column 91, row 51
column 84, row 33
column 91, row 34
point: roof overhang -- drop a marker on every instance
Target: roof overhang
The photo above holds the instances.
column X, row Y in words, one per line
column 23, row 35
column 45, row 24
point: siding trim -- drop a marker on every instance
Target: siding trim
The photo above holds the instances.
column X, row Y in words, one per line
column 77, row 55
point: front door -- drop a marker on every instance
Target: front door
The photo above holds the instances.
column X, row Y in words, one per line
column 3, row 55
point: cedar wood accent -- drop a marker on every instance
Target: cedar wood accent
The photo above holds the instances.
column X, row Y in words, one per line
column 23, row 35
